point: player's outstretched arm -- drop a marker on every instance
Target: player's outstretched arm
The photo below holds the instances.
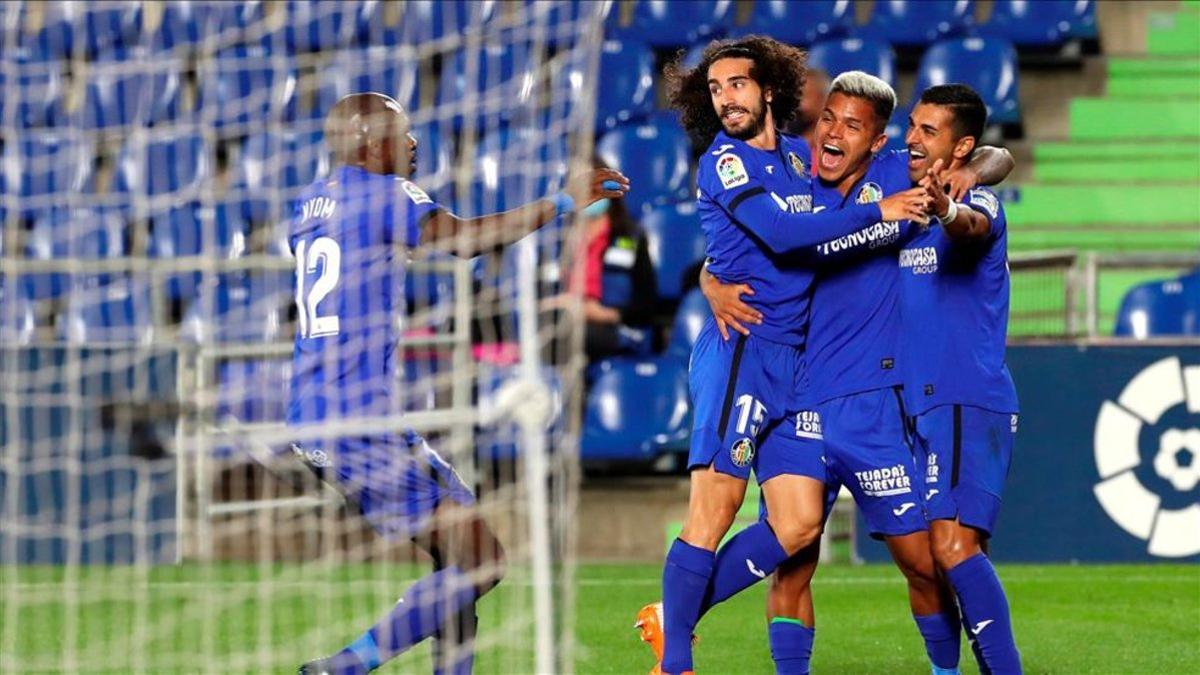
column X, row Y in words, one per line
column 468, row 237
column 959, row 222
column 785, row 232
column 989, row 165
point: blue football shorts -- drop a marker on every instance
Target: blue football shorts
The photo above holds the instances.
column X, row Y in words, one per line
column 396, row 480
column 745, row 394
column 867, row 449
column 966, row 453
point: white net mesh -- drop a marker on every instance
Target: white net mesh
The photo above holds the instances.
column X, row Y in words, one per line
column 152, row 517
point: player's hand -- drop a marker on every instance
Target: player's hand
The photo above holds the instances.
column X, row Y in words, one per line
column 934, row 184
column 596, row 184
column 959, row 182
column 912, row 204
column 727, row 306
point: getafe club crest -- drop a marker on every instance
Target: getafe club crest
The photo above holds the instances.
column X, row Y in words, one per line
column 797, row 164
column 869, row 193
column 742, row 452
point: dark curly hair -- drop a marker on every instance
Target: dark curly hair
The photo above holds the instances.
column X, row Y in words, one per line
column 777, row 66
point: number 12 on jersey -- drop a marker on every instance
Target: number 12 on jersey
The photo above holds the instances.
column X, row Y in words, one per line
column 323, row 253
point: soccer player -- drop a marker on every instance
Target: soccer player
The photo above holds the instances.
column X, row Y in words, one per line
column 854, row 383
column 755, row 204
column 954, row 291
column 349, row 236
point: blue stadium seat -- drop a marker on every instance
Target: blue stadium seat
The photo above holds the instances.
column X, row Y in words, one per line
column 500, row 442
column 675, row 242
column 663, row 23
column 17, row 318
column 913, row 23
column 36, row 97
column 838, row 56
column 80, row 28
column 560, row 19
column 287, row 159
column 238, row 307
column 513, row 167
column 897, row 128
column 116, row 311
column 117, row 96
column 636, row 410
column 194, row 230
column 252, row 390
column 627, row 71
column 315, row 25
column 689, row 319
column 656, row 158
column 417, row 21
column 1044, row 23
column 505, row 83
column 987, row 65
column 191, row 22
column 435, row 155
column 63, row 233
column 372, row 69
column 799, row 22
column 42, row 166
column 246, row 86
column 1161, row 309
column 166, row 162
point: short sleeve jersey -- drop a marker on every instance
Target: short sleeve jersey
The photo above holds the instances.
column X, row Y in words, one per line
column 349, row 235
column 730, row 171
column 854, row 321
column 954, row 309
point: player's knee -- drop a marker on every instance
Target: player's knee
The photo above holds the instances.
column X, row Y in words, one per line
column 795, row 535
column 706, row 527
column 949, row 551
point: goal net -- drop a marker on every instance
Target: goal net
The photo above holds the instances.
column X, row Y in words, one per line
column 153, row 515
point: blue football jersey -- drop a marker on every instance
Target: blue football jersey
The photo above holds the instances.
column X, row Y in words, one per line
column 756, row 210
column 854, row 320
column 954, row 312
column 349, row 235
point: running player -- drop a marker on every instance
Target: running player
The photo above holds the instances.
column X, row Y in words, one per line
column 954, row 290
column 854, row 382
column 349, row 236
column 755, row 203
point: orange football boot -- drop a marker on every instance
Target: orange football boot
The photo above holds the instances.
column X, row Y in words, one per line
column 650, row 628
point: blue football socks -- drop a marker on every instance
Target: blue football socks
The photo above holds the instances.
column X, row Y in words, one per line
column 791, row 645
column 942, row 642
column 747, row 558
column 985, row 608
column 685, row 577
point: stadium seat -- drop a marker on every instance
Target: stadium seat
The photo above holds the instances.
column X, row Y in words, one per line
column 663, row 23
column 676, row 244
column 191, row 22
column 838, row 56
column 897, row 128
column 435, row 156
column 287, row 159
column 163, row 162
column 373, row 69
column 194, row 230
column 238, row 307
column 504, row 88
column 117, row 95
column 246, row 86
column 78, row 28
column 689, row 319
column 500, row 442
column 1044, row 23
column 63, row 233
column 314, row 26
column 17, row 318
column 1161, row 309
column 252, row 391
column 513, row 167
column 913, row 23
column 560, row 19
column 636, row 410
column 655, row 156
column 627, row 71
column 417, row 21
column 117, row 311
column 42, row 166
column 987, row 65
column 798, row 22
column 36, row 97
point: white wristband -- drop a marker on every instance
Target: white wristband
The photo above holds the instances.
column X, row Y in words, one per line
column 951, row 213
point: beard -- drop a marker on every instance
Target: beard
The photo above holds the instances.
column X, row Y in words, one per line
column 752, row 126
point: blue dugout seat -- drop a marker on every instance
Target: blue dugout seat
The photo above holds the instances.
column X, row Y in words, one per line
column 504, row 88
column 655, row 155
column 42, row 166
column 917, row 23
column 238, row 307
column 83, row 29
column 1041, row 23
column 17, row 318
column 871, row 56
column 163, row 162
column 373, row 69
column 416, row 21
column 117, row 96
column 989, row 66
column 116, row 311
column 666, row 23
column 636, row 410
column 246, row 86
column 187, row 23
column 63, row 233
column 33, row 93
column 194, row 230
column 513, row 167
column 689, row 319
column 627, row 71
column 1161, row 309
column 675, row 242
column 798, row 22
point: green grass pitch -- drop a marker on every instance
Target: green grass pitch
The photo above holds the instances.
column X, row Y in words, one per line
column 1069, row 619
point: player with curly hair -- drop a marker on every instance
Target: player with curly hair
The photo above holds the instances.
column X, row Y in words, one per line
column 755, row 202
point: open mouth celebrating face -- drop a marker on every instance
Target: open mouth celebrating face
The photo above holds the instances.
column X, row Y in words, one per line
column 832, row 156
column 735, row 117
column 916, row 157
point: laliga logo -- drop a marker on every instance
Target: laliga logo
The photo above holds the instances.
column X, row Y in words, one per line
column 1161, row 386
